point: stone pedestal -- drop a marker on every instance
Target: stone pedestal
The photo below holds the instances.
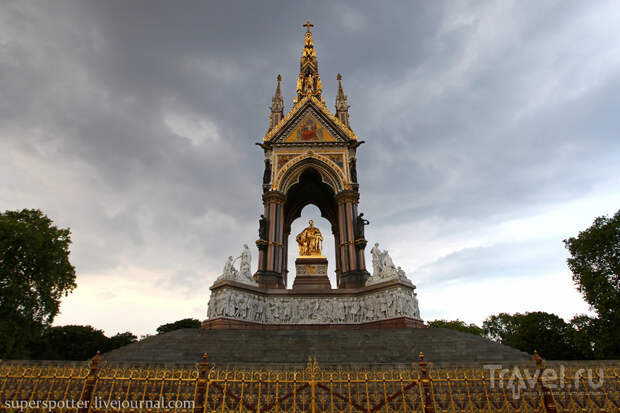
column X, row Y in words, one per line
column 311, row 274
column 311, row 266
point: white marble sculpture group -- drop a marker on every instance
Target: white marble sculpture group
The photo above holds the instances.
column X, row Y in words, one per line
column 247, row 305
column 374, row 306
column 383, row 269
column 244, row 273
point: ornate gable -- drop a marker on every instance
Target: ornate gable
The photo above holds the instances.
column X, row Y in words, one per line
column 309, row 122
column 308, row 130
column 310, row 136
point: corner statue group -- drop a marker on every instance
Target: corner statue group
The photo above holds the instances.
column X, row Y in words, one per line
column 310, row 241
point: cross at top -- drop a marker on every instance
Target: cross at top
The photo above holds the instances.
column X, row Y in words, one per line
column 308, row 25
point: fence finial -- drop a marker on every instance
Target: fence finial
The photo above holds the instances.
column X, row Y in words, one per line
column 201, row 383
column 422, row 363
column 537, row 359
column 94, row 363
column 203, row 366
column 91, row 379
column 428, row 401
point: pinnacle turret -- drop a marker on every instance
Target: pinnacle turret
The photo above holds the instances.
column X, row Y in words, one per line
column 308, row 82
column 342, row 106
column 277, row 106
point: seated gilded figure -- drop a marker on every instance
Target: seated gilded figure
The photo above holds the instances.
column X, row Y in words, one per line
column 310, row 241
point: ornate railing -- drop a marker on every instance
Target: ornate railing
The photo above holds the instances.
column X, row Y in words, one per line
column 99, row 387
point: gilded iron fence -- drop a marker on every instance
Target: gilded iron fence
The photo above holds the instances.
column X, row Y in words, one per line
column 99, row 387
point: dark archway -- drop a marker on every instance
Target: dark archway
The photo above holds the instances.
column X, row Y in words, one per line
column 310, row 190
column 311, row 181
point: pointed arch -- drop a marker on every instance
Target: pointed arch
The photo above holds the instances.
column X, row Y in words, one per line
column 290, row 173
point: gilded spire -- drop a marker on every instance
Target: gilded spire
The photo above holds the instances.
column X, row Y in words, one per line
column 277, row 106
column 342, row 106
column 308, row 82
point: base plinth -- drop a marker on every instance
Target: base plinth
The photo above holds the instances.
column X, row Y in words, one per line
column 311, row 275
column 311, row 266
column 269, row 279
column 353, row 279
column 231, row 324
column 314, row 283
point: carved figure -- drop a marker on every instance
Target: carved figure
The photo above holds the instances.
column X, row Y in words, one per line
column 267, row 173
column 359, row 226
column 211, row 307
column 310, row 241
column 259, row 309
column 414, row 305
column 299, row 84
column 245, row 265
column 309, row 83
column 376, row 259
column 229, row 271
column 262, row 228
column 353, row 170
column 386, row 263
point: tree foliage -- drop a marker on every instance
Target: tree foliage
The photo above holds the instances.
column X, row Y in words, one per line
column 120, row 340
column 75, row 342
column 585, row 334
column 547, row 333
column 500, row 327
column 70, row 342
column 185, row 323
column 35, row 273
column 457, row 325
column 595, row 264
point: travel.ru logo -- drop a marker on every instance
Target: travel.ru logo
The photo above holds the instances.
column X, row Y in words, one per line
column 519, row 380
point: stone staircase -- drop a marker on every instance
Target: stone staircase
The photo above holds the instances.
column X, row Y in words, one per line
column 389, row 347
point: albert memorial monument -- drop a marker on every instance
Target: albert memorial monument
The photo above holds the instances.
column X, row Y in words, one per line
column 310, row 158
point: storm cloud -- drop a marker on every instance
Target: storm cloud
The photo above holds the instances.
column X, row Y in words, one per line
column 491, row 134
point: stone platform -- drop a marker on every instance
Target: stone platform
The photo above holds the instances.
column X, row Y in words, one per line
column 389, row 347
column 224, row 323
column 312, row 302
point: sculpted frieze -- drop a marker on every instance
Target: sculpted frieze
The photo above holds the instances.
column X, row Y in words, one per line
column 254, row 307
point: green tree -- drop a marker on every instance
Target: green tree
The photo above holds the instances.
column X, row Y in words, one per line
column 547, row 333
column 501, row 326
column 120, row 340
column 35, row 273
column 595, row 264
column 70, row 342
column 585, row 333
column 457, row 325
column 185, row 323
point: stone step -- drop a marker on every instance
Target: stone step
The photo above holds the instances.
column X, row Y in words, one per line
column 330, row 347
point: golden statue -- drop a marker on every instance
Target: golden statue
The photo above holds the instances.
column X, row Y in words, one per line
column 309, row 84
column 299, row 84
column 310, row 241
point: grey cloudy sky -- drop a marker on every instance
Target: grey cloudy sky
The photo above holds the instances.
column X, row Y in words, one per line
column 491, row 134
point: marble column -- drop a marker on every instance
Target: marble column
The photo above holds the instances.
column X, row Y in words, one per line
column 350, row 250
column 272, row 254
column 335, row 232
